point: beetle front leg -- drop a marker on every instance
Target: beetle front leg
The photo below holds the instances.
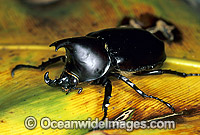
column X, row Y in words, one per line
column 42, row 66
column 79, row 89
column 107, row 96
column 132, row 85
column 69, row 90
column 160, row 71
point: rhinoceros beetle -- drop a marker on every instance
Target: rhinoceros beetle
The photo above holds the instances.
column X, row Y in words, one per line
column 105, row 53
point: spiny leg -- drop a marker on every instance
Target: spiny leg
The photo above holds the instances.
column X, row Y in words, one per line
column 132, row 85
column 107, row 96
column 42, row 66
column 160, row 71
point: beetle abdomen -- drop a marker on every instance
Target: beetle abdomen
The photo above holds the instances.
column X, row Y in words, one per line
column 132, row 49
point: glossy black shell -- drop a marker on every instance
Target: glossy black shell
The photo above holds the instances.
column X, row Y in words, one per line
column 86, row 57
column 132, row 49
column 92, row 56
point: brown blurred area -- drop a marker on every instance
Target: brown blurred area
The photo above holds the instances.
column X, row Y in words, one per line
column 41, row 22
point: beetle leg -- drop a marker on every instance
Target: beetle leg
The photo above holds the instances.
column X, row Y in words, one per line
column 42, row 66
column 79, row 89
column 132, row 85
column 160, row 71
column 69, row 90
column 107, row 96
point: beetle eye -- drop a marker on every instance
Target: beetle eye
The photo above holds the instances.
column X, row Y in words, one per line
column 73, row 81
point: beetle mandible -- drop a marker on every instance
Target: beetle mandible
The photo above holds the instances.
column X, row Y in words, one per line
column 105, row 53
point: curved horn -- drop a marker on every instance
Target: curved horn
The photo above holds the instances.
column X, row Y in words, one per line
column 61, row 43
column 71, row 42
column 49, row 81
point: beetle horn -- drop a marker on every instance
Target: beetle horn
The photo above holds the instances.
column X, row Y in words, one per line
column 62, row 43
column 70, row 42
column 49, row 81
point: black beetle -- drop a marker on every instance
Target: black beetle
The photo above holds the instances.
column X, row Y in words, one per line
column 105, row 53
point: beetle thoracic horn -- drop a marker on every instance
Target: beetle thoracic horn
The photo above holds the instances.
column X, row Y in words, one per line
column 49, row 81
column 70, row 42
column 60, row 43
column 64, row 43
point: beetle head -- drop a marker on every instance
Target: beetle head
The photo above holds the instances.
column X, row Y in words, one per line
column 66, row 80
